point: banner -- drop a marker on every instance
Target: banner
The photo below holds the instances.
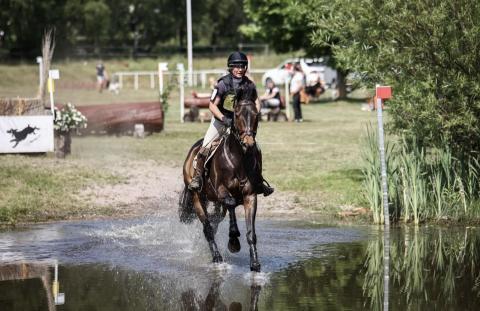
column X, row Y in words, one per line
column 22, row 134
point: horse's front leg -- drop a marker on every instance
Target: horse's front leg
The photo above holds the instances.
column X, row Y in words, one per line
column 208, row 229
column 233, row 232
column 250, row 204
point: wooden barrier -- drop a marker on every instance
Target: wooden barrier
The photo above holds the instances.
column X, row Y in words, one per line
column 121, row 117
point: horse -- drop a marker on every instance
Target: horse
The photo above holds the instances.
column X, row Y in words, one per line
column 231, row 181
column 21, row 135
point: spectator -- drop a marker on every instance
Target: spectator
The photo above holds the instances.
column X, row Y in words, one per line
column 101, row 76
column 271, row 98
column 297, row 85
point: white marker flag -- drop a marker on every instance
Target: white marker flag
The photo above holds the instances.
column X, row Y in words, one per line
column 24, row 134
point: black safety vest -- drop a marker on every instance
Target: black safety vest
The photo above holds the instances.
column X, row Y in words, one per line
column 227, row 101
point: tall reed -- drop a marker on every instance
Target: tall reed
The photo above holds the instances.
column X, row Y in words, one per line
column 424, row 184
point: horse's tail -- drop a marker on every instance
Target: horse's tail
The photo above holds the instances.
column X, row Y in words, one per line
column 186, row 211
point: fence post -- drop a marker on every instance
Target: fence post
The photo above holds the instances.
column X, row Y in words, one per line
column 135, row 81
column 203, row 78
column 152, row 80
column 181, row 82
column 384, row 92
column 161, row 68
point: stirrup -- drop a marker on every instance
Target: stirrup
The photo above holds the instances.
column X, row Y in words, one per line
column 266, row 188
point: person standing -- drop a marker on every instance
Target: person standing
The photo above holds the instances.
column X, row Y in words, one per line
column 100, row 76
column 297, row 84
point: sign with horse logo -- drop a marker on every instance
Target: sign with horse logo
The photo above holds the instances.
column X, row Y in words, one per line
column 25, row 134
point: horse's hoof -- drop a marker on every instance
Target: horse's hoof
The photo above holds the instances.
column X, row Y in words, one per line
column 229, row 201
column 255, row 266
column 233, row 233
column 217, row 258
column 234, row 245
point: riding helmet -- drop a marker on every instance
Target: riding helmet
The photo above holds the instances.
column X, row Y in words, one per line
column 237, row 58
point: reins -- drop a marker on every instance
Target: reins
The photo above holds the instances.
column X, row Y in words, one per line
column 236, row 133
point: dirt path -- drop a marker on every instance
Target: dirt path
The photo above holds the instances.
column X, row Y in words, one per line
column 152, row 189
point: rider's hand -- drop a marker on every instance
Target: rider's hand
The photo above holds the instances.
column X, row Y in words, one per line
column 227, row 121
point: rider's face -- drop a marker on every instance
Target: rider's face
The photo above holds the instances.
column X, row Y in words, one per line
column 239, row 71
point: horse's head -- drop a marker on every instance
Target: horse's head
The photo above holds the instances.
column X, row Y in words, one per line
column 245, row 119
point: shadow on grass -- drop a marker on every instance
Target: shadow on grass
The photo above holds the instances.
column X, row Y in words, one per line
column 348, row 100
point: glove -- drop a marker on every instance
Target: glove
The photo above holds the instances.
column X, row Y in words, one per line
column 227, row 121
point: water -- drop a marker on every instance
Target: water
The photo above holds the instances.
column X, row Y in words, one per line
column 160, row 264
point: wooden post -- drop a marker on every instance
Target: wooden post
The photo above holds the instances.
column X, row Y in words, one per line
column 135, row 81
column 181, row 82
column 152, row 80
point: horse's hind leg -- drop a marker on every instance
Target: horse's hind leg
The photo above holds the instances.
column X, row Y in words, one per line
column 208, row 229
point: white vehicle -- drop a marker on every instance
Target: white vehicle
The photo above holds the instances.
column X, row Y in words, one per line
column 315, row 71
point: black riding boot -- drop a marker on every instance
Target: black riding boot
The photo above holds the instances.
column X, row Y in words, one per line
column 196, row 183
column 266, row 189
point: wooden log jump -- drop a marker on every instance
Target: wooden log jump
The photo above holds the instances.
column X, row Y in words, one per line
column 121, row 117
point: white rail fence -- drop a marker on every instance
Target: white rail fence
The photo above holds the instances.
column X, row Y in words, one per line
column 149, row 79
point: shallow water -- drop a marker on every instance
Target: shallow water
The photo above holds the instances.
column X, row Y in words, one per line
column 161, row 264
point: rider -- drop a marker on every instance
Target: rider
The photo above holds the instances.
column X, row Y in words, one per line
column 221, row 106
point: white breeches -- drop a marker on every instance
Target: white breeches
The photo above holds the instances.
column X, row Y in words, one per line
column 215, row 129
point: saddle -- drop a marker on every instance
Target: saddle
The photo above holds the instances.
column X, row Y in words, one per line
column 213, row 148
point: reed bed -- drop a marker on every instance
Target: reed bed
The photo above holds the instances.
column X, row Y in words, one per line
column 423, row 184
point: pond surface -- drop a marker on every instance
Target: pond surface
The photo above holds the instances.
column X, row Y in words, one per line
column 160, row 264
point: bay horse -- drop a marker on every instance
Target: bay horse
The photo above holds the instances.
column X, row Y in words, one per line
column 231, row 181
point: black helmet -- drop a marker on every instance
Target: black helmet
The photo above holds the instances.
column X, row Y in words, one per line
column 237, row 58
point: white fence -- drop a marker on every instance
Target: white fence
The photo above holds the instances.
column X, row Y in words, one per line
column 150, row 78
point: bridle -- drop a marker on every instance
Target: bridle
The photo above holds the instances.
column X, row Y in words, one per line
column 249, row 131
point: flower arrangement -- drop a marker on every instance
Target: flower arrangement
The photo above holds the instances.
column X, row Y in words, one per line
column 68, row 118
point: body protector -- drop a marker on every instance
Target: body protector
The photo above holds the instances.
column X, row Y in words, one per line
column 227, row 87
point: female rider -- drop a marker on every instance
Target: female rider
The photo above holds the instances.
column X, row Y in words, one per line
column 221, row 106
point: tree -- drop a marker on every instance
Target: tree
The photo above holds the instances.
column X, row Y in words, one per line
column 97, row 20
column 428, row 50
column 286, row 25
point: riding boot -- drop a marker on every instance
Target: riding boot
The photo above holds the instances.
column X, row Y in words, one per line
column 266, row 189
column 196, row 183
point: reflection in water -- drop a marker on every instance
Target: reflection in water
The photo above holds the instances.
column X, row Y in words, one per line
column 190, row 300
column 434, row 269
column 26, row 276
column 139, row 266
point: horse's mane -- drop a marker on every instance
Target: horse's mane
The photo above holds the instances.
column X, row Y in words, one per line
column 246, row 92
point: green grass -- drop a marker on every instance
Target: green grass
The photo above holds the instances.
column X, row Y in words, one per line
column 317, row 162
column 38, row 188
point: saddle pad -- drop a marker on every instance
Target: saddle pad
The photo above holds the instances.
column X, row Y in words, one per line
column 213, row 148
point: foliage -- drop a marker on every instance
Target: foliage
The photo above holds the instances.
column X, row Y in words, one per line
column 138, row 24
column 427, row 50
column 69, row 118
column 422, row 185
column 282, row 23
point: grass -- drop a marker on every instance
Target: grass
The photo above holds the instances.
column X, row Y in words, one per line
column 317, row 162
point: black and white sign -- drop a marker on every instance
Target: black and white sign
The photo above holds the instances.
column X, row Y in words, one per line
column 24, row 134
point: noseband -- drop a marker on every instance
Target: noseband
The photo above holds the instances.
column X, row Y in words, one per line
column 249, row 132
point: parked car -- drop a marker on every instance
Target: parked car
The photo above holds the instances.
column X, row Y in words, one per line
column 315, row 70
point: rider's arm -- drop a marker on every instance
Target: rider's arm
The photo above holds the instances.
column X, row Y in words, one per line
column 213, row 106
